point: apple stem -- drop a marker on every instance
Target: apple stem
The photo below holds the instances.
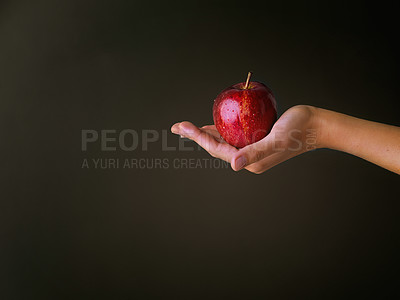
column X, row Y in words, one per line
column 246, row 86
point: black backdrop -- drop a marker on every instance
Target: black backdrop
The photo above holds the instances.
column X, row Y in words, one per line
column 324, row 224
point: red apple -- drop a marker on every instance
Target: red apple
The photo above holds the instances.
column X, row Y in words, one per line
column 244, row 113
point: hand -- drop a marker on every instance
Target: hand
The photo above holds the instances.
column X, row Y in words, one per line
column 288, row 138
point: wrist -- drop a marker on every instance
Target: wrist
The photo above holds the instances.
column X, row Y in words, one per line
column 333, row 129
column 314, row 133
column 320, row 127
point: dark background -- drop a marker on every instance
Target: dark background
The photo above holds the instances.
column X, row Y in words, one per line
column 323, row 225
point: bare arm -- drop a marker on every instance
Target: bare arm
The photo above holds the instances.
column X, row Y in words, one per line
column 372, row 141
column 290, row 136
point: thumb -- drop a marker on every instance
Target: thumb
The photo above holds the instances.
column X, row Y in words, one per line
column 252, row 153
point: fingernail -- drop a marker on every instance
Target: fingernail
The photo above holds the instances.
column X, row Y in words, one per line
column 240, row 162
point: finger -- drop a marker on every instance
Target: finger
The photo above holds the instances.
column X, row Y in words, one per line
column 206, row 141
column 186, row 129
column 270, row 161
column 256, row 152
column 175, row 128
column 211, row 129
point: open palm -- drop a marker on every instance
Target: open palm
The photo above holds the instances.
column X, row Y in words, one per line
column 286, row 140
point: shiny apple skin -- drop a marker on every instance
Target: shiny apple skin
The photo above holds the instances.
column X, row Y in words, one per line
column 244, row 116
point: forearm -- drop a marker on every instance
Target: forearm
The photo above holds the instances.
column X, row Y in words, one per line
column 374, row 142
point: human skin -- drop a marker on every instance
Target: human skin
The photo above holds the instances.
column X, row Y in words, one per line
column 300, row 129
